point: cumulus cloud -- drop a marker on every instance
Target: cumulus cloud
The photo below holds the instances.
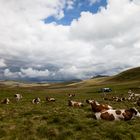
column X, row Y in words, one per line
column 103, row 43
column 113, row 30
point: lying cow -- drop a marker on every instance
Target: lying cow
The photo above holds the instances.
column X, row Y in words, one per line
column 71, row 95
column 5, row 101
column 50, row 99
column 120, row 114
column 133, row 97
column 96, row 107
column 75, row 103
column 36, row 100
column 18, row 97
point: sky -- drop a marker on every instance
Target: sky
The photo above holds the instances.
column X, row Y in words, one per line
column 56, row 40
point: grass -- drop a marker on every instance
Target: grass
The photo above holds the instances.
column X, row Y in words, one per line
column 58, row 121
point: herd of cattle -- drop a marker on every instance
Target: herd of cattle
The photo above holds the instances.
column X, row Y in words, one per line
column 18, row 97
column 101, row 111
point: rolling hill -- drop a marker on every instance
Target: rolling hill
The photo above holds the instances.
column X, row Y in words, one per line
column 128, row 75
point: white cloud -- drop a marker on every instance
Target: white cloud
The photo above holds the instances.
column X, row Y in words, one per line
column 2, row 63
column 70, row 4
column 31, row 73
column 9, row 74
column 105, row 42
column 93, row 1
column 23, row 73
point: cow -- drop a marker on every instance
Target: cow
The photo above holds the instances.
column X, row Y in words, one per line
column 18, row 97
column 117, row 114
column 36, row 100
column 5, row 101
column 96, row 107
column 75, row 103
column 71, row 95
column 132, row 96
column 50, row 99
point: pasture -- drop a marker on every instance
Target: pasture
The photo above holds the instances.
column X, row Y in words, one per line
column 57, row 121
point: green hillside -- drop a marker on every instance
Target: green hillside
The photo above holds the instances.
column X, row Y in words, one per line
column 125, row 77
column 128, row 75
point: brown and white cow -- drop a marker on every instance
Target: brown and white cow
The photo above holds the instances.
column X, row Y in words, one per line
column 96, row 107
column 5, row 101
column 119, row 114
column 133, row 96
column 75, row 103
column 36, row 100
column 50, row 99
column 18, row 97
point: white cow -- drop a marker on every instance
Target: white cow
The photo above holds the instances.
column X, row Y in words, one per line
column 18, row 97
column 36, row 100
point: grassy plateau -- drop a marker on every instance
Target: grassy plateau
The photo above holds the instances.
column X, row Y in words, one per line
column 57, row 121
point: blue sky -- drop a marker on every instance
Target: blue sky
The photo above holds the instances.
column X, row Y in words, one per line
column 78, row 7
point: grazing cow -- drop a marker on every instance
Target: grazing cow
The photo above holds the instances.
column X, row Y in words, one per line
column 36, row 100
column 18, row 97
column 71, row 95
column 75, row 104
column 96, row 107
column 5, row 101
column 50, row 99
column 120, row 114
